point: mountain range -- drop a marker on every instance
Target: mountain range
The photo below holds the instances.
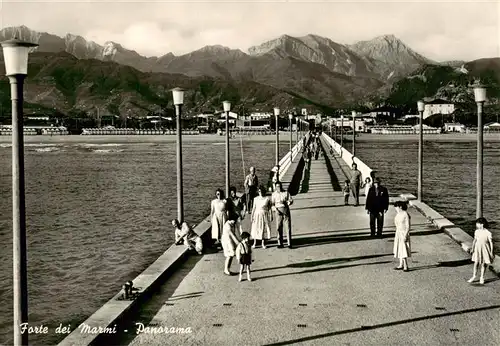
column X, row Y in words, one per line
column 310, row 70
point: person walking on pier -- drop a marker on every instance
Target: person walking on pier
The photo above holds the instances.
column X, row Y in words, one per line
column 355, row 183
column 402, row 246
column 281, row 201
column 251, row 184
column 244, row 255
column 236, row 207
column 229, row 241
column 184, row 234
column 377, row 204
column 218, row 214
column 261, row 218
column 482, row 249
column 347, row 191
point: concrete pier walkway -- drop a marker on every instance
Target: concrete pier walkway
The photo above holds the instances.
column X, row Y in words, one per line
column 337, row 286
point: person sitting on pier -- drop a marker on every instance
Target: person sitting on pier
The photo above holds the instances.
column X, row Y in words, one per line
column 218, row 214
column 377, row 204
column 185, row 235
column 355, row 183
column 236, row 208
column 251, row 184
column 281, row 201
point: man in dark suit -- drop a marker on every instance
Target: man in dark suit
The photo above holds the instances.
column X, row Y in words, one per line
column 377, row 204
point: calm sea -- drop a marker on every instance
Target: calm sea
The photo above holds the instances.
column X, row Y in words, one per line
column 98, row 214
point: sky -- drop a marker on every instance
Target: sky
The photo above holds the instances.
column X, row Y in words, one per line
column 444, row 30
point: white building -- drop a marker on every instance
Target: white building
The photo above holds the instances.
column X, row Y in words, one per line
column 454, row 127
column 260, row 115
column 360, row 124
column 438, row 106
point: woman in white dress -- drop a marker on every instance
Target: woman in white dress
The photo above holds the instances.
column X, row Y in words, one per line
column 402, row 246
column 218, row 215
column 261, row 218
column 367, row 184
column 229, row 241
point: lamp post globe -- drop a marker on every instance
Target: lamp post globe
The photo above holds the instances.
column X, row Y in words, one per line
column 15, row 53
column 226, row 105
column 480, row 98
column 178, row 98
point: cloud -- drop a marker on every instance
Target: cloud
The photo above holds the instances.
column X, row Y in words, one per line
column 439, row 30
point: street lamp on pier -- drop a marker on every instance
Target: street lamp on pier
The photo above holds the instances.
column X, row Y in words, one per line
column 420, row 107
column 227, row 108
column 297, row 123
column 178, row 96
column 290, row 116
column 341, row 131
column 277, row 115
column 354, row 133
column 15, row 53
column 480, row 98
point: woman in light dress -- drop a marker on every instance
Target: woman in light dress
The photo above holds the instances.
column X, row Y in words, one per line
column 482, row 249
column 402, row 246
column 261, row 218
column 367, row 184
column 218, row 215
column 229, row 241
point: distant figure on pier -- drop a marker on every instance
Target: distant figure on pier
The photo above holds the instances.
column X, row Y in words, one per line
column 229, row 242
column 236, row 208
column 482, row 249
column 402, row 245
column 244, row 255
column 306, row 154
column 347, row 191
column 281, row 201
column 317, row 147
column 261, row 218
column 377, row 204
column 366, row 185
column 355, row 183
column 251, row 184
column 218, row 214
column 185, row 235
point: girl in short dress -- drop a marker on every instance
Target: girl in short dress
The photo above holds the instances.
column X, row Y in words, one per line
column 482, row 249
column 218, row 215
column 244, row 255
column 367, row 184
column 402, row 247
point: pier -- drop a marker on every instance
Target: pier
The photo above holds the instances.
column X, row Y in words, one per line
column 336, row 286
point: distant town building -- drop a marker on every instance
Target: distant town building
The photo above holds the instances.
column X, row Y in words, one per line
column 360, row 124
column 454, row 127
column 385, row 111
column 403, row 129
column 494, row 126
column 438, row 106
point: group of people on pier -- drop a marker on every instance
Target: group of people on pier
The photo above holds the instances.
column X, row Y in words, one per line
column 228, row 213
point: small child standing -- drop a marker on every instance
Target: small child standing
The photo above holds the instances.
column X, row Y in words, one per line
column 347, row 192
column 482, row 249
column 244, row 255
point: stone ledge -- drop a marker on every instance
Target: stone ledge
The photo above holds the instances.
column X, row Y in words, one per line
column 453, row 231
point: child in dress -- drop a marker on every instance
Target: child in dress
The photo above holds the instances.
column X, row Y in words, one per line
column 244, row 255
column 482, row 249
column 367, row 184
column 347, row 192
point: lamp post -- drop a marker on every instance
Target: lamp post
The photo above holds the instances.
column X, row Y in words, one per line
column 480, row 97
column 353, row 133
column 15, row 53
column 277, row 115
column 290, row 116
column 420, row 107
column 178, row 96
column 297, row 122
column 341, row 131
column 227, row 108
